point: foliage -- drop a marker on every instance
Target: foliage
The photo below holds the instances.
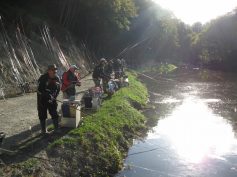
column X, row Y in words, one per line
column 217, row 45
column 157, row 37
column 96, row 21
column 149, row 33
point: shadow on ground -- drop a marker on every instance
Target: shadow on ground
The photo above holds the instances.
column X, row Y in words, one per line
column 27, row 144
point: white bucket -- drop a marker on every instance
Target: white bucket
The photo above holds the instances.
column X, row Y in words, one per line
column 96, row 102
column 72, row 122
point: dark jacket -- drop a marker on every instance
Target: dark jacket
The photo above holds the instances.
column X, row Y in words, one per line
column 99, row 72
column 48, row 87
column 109, row 69
column 117, row 65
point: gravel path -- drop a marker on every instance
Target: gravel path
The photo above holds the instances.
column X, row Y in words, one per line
column 18, row 114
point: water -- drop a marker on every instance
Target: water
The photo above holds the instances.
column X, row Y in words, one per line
column 196, row 132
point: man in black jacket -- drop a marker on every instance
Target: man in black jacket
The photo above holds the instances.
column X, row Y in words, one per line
column 109, row 68
column 48, row 90
column 99, row 73
column 117, row 68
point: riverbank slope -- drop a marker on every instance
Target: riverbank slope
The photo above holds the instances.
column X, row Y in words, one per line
column 99, row 145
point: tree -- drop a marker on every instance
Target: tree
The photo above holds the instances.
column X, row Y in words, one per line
column 197, row 27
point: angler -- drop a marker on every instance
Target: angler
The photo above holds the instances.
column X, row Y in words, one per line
column 48, row 90
column 118, row 68
column 69, row 82
column 99, row 74
column 109, row 68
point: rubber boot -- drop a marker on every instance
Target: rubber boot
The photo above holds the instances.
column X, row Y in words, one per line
column 56, row 127
column 43, row 126
column 2, row 136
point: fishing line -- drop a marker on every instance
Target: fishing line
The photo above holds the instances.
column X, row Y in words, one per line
column 151, row 78
column 151, row 170
column 154, row 93
column 132, row 46
column 157, row 147
column 80, row 79
column 142, row 152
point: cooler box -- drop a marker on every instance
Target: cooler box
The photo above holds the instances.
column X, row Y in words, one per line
column 71, row 113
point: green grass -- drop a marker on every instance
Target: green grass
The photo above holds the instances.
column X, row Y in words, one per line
column 103, row 139
column 100, row 144
column 25, row 169
column 161, row 69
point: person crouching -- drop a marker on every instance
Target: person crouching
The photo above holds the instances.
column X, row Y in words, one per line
column 48, row 90
column 69, row 82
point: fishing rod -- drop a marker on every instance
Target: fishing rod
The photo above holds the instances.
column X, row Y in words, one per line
column 142, row 152
column 152, row 78
column 132, row 46
column 76, row 82
column 154, row 93
column 59, row 101
column 158, row 173
column 136, row 44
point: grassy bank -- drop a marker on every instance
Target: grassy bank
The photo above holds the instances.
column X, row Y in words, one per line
column 97, row 148
column 99, row 145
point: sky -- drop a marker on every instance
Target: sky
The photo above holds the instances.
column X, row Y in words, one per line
column 191, row 11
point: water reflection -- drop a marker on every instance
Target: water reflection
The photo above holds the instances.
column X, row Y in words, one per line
column 168, row 101
column 195, row 132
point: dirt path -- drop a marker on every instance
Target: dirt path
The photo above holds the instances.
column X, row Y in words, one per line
column 18, row 114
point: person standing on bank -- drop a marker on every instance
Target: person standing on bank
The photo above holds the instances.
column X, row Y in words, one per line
column 117, row 68
column 69, row 82
column 99, row 74
column 108, row 68
column 48, row 90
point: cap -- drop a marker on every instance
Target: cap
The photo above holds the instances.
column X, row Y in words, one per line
column 52, row 67
column 103, row 60
column 74, row 67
